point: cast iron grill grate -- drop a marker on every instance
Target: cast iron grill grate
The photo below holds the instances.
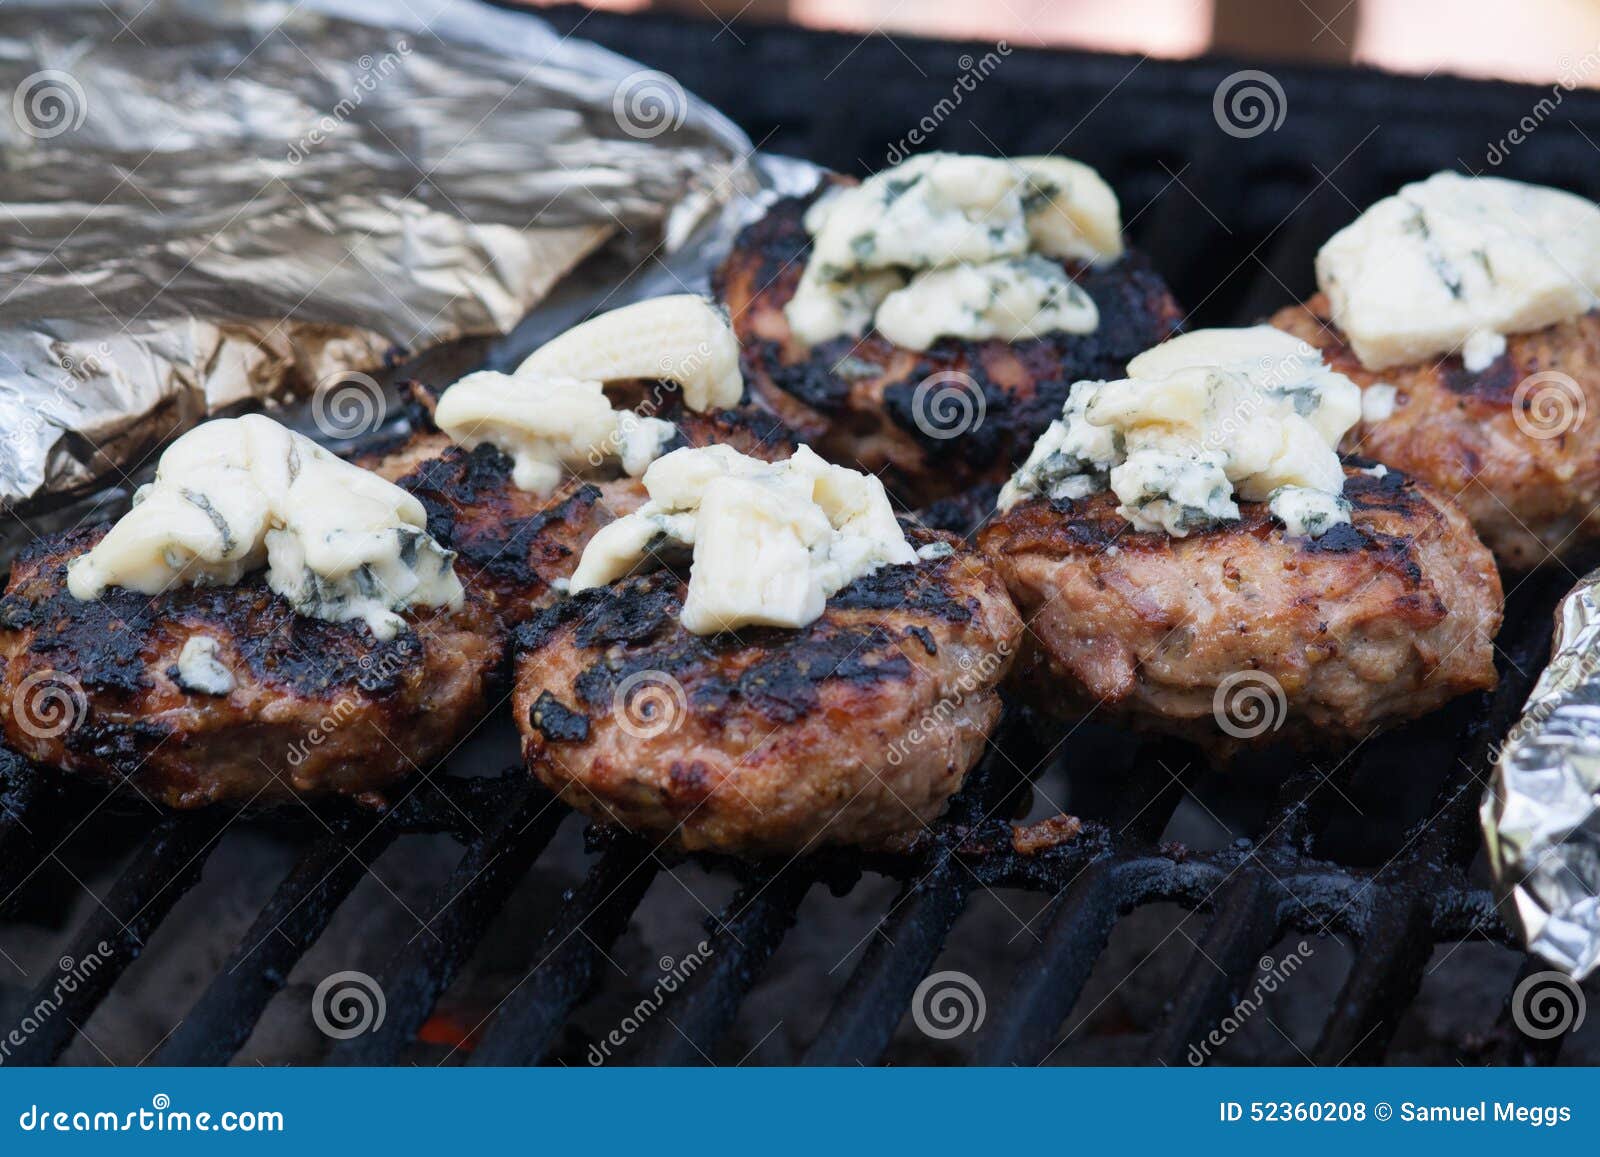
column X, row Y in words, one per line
column 1234, row 224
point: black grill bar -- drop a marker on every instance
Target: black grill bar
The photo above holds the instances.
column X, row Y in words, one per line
column 296, row 915
column 166, row 866
column 747, row 935
column 1245, row 926
column 461, row 910
column 901, row 951
column 569, row 957
column 1047, row 986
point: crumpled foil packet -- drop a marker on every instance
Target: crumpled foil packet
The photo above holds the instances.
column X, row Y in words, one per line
column 208, row 203
column 1541, row 813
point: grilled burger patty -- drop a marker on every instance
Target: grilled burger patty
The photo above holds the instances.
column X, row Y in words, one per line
column 511, row 544
column 848, row 730
column 1243, row 632
column 855, row 400
column 95, row 687
column 314, row 707
column 1525, row 467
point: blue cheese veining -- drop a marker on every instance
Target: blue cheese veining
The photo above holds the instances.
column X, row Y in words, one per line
column 235, row 495
column 1455, row 263
column 956, row 246
column 1201, row 420
column 769, row 542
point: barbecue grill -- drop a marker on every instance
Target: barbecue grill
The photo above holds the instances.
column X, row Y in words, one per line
column 1372, row 849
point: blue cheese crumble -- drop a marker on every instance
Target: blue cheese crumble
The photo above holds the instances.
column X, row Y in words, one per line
column 236, row 495
column 956, row 246
column 1456, row 263
column 1201, row 421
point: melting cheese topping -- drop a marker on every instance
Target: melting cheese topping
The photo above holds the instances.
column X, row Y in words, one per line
column 940, row 246
column 552, row 416
column 770, row 541
column 681, row 338
column 234, row 495
column 1200, row 418
column 549, row 426
column 1456, row 263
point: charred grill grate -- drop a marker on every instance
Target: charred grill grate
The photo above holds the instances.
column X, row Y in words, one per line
column 1233, row 223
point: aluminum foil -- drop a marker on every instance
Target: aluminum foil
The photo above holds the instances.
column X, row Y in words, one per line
column 210, row 203
column 1541, row 813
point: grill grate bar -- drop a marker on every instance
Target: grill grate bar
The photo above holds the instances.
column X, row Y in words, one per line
column 297, row 914
column 902, row 950
column 748, row 935
column 418, row 974
column 591, row 917
column 165, row 867
column 1046, row 987
column 1234, row 946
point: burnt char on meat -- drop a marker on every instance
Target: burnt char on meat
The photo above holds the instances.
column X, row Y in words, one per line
column 1375, row 622
column 767, row 741
column 856, row 399
column 316, row 707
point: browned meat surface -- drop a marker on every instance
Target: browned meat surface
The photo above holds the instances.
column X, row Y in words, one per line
column 317, row 707
column 1329, row 639
column 855, row 399
column 847, row 731
column 1525, row 467
column 511, row 545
